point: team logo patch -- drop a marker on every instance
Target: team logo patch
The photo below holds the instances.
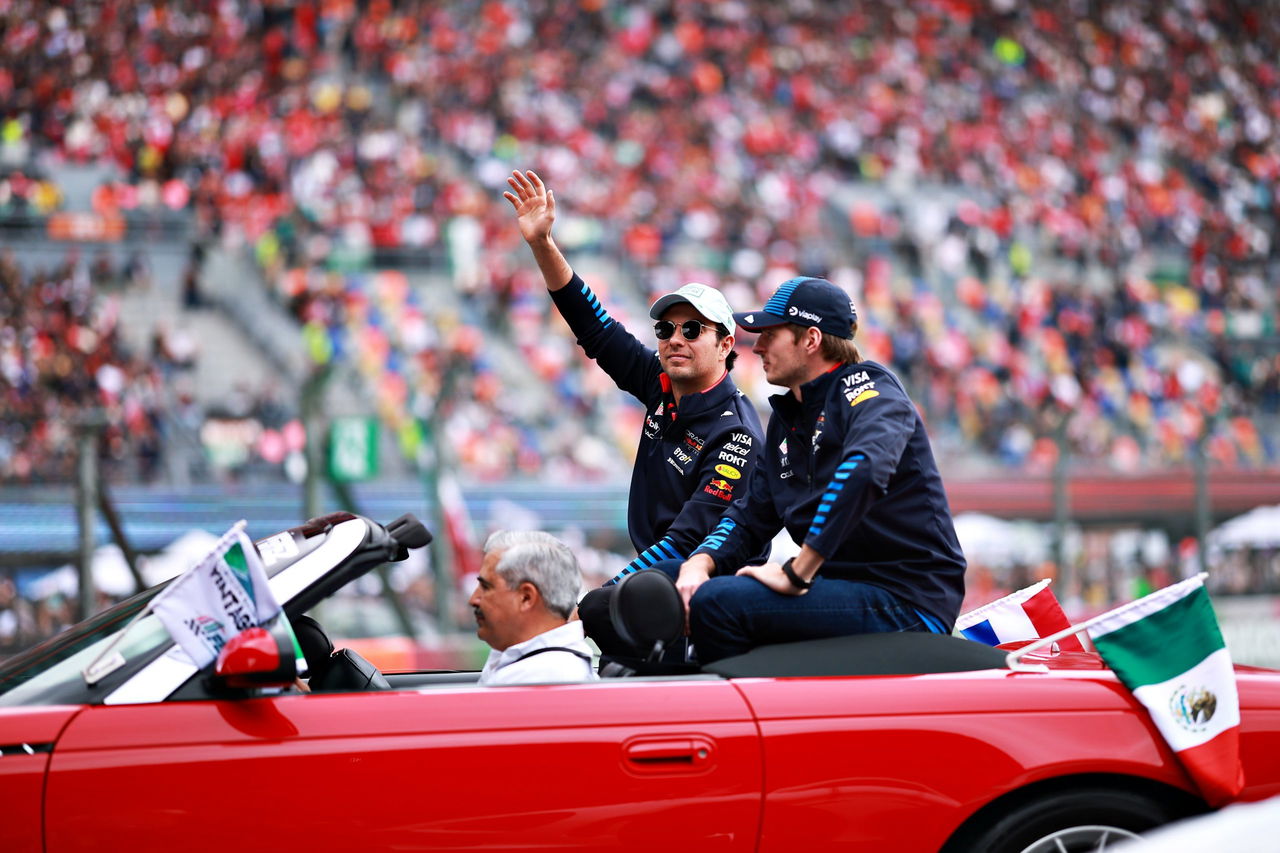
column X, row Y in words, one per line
column 652, row 424
column 721, row 489
column 864, row 396
column 728, row 471
column 793, row 311
column 731, row 458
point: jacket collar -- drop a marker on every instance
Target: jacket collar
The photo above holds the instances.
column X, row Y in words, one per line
column 692, row 405
column 814, row 392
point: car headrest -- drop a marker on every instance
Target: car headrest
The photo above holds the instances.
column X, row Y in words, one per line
column 647, row 611
column 315, row 644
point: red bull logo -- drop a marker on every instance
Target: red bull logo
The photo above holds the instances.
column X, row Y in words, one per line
column 722, row 489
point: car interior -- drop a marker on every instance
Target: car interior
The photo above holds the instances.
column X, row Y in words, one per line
column 647, row 611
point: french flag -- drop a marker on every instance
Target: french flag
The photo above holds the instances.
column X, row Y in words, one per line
column 1027, row 614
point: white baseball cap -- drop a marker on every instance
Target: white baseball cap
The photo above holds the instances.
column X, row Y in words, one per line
column 707, row 301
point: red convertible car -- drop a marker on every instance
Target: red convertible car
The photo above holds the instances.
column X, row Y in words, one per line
column 884, row 743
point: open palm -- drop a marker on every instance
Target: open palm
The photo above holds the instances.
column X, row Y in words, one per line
column 535, row 205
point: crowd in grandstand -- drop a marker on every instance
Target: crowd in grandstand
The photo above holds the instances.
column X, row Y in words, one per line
column 1064, row 227
column 64, row 373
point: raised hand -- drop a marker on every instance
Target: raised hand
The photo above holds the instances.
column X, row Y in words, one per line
column 535, row 205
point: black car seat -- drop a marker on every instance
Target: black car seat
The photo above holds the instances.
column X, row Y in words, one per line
column 341, row 671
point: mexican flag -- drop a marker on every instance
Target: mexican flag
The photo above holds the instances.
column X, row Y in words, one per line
column 1168, row 650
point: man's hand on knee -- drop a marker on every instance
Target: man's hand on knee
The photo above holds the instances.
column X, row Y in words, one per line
column 694, row 572
column 771, row 575
column 791, row 578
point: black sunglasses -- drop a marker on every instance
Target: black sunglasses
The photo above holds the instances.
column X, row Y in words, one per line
column 691, row 329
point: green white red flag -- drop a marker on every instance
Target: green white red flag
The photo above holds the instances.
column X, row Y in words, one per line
column 1168, row 650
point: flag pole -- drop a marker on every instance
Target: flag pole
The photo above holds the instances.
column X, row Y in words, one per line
column 93, row 673
column 1014, row 659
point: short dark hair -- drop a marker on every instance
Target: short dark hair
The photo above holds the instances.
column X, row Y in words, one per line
column 721, row 334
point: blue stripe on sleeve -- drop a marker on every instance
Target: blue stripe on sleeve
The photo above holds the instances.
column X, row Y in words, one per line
column 592, row 300
column 715, row 539
column 843, row 471
column 672, row 553
column 661, row 550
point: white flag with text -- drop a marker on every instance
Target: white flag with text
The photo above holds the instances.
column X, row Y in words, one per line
column 217, row 598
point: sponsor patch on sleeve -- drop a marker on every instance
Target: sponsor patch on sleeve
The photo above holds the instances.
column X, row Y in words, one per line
column 721, row 489
column 864, row 396
column 728, row 471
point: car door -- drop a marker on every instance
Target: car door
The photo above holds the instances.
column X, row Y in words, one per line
column 627, row 764
column 894, row 764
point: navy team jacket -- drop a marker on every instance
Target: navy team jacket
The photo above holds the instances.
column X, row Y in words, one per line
column 693, row 459
column 849, row 472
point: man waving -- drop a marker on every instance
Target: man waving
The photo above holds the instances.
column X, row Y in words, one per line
column 701, row 435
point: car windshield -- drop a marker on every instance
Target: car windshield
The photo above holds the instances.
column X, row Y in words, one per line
column 59, row 661
column 61, row 658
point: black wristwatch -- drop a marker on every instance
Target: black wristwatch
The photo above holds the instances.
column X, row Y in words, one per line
column 795, row 579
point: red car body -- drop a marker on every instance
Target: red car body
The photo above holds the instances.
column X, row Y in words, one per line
column 701, row 762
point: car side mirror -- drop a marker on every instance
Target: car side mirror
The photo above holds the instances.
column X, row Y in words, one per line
column 262, row 656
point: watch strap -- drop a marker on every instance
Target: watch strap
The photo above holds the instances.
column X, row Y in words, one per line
column 796, row 580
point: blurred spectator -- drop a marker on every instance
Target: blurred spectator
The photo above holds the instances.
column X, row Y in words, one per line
column 62, row 368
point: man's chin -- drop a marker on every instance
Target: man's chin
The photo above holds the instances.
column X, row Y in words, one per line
column 683, row 372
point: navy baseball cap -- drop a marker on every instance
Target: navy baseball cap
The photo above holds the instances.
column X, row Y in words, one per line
column 806, row 302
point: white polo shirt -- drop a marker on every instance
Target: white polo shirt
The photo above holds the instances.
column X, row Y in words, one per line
column 523, row 663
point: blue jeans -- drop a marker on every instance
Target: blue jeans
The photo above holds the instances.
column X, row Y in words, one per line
column 731, row 615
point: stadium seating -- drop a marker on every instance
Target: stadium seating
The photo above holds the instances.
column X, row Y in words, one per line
column 1057, row 221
